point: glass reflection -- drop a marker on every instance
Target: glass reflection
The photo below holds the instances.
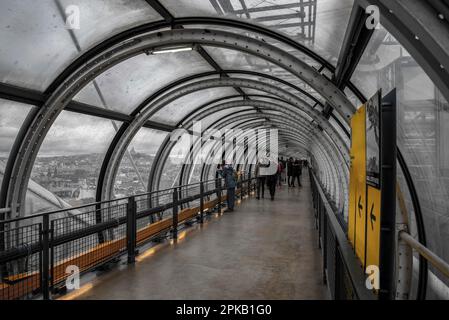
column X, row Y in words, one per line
column 69, row 160
column 423, row 115
column 134, row 170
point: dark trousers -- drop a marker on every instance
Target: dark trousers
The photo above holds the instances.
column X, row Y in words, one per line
column 272, row 188
column 291, row 181
column 297, row 178
column 231, row 198
column 260, row 184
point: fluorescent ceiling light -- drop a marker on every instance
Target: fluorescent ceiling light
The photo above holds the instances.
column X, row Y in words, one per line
column 171, row 50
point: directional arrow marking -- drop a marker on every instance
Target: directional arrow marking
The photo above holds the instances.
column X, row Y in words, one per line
column 372, row 217
column 360, row 206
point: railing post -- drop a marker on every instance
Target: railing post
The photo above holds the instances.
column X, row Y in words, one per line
column 249, row 184
column 45, row 257
column 201, row 202
column 219, row 195
column 175, row 213
column 131, row 229
column 241, row 188
column 52, row 257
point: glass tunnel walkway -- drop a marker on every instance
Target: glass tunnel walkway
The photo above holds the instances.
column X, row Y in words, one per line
column 262, row 250
column 99, row 99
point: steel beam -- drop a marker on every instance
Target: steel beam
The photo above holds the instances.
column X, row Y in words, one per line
column 63, row 94
column 202, row 85
column 274, row 7
column 416, row 25
column 36, row 98
column 356, row 40
column 342, row 174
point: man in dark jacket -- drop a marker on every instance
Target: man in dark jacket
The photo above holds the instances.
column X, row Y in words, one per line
column 297, row 171
column 271, row 183
column 227, row 173
column 290, row 172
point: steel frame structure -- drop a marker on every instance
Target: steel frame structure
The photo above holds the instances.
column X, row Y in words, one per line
column 295, row 122
column 58, row 100
column 414, row 23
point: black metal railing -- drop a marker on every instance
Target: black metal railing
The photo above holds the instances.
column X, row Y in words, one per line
column 342, row 273
column 38, row 249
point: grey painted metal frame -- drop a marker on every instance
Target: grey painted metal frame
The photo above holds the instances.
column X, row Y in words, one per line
column 252, row 84
column 415, row 24
column 202, row 85
column 341, row 174
column 262, row 105
column 62, row 96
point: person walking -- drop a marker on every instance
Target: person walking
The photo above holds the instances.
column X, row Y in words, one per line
column 283, row 173
column 228, row 174
column 260, row 181
column 290, row 172
column 280, row 169
column 271, row 183
column 297, row 171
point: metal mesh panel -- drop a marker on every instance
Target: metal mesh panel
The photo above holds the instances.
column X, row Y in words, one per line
column 153, row 200
column 86, row 237
column 190, row 191
column 91, row 249
column 22, row 276
column 330, row 260
column 344, row 285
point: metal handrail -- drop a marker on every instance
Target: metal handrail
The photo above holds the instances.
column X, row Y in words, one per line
column 46, row 239
column 421, row 249
column 357, row 276
column 429, row 255
column 94, row 203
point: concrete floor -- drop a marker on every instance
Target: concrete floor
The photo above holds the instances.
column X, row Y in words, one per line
column 263, row 250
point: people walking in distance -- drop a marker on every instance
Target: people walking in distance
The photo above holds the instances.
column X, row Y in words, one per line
column 260, row 180
column 290, row 172
column 228, row 174
column 297, row 171
column 272, row 182
column 284, row 170
column 280, row 169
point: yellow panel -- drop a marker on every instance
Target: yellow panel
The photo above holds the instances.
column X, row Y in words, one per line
column 351, row 215
column 373, row 226
column 357, row 192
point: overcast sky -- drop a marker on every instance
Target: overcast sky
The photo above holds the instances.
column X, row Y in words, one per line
column 71, row 133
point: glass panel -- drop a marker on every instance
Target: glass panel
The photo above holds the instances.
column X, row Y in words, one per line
column 180, row 108
column 12, row 115
column 307, row 99
column 115, row 16
column 69, row 160
column 134, row 170
column 129, row 83
column 285, row 47
column 423, row 117
column 40, row 45
column 340, row 131
column 39, row 199
column 319, row 25
column 232, row 59
column 222, row 114
column 173, row 165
